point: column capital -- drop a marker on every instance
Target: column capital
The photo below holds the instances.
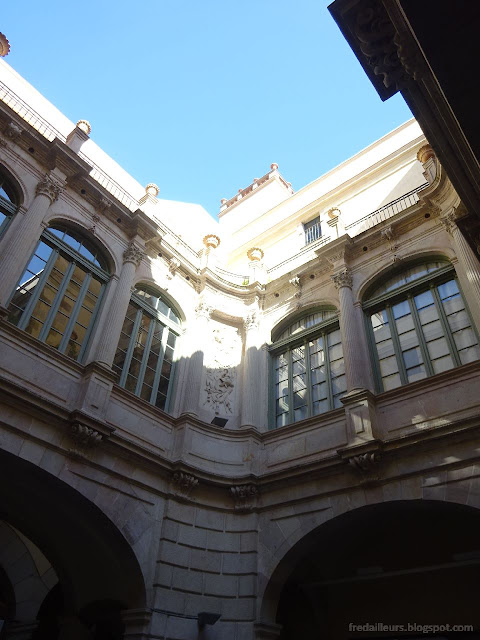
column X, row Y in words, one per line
column 342, row 279
column 133, row 254
column 49, row 186
column 449, row 221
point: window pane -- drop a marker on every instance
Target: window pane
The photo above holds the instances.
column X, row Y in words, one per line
column 470, row 354
column 416, row 373
column 388, row 366
column 391, row 382
column 412, row 357
column 442, row 364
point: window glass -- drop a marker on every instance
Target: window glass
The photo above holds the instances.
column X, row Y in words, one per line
column 57, row 296
column 8, row 201
column 144, row 359
column 309, row 378
column 426, row 333
column 407, row 276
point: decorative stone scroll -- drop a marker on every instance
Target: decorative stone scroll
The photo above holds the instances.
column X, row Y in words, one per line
column 50, row 187
column 184, row 483
column 12, row 131
column 244, row 496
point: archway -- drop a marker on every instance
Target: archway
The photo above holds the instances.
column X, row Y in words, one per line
column 398, row 563
column 98, row 573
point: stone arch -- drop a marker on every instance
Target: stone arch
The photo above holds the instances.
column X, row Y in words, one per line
column 92, row 559
column 293, row 314
column 407, row 260
column 28, row 571
column 329, row 523
column 16, row 182
column 150, row 283
column 79, row 226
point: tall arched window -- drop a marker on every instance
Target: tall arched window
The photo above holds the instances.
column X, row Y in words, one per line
column 145, row 355
column 308, row 368
column 419, row 325
column 59, row 294
column 8, row 201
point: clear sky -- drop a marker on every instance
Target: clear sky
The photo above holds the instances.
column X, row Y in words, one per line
column 201, row 96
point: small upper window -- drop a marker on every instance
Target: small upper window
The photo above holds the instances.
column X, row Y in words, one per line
column 8, row 201
column 312, row 230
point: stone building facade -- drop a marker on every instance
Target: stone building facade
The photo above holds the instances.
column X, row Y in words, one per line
column 261, row 427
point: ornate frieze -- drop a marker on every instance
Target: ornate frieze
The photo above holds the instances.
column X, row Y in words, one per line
column 342, row 279
column 244, row 496
column 50, row 187
column 184, row 483
column 133, row 254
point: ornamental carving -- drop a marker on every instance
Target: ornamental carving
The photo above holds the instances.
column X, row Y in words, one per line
column 386, row 52
column 133, row 254
column 4, row 46
column 251, row 321
column 365, row 462
column 184, row 483
column 425, row 153
column 12, row 131
column 449, row 221
column 173, row 266
column 222, row 356
column 84, row 437
column 244, row 496
column 342, row 279
column 50, row 187
column 211, row 241
column 255, row 254
column 203, row 310
column 85, row 126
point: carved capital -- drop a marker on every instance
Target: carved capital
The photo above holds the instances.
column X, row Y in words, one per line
column 50, row 187
column 184, row 483
column 342, row 279
column 244, row 496
column 449, row 221
column 133, row 254
column 295, row 282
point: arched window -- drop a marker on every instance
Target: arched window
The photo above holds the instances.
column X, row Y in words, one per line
column 145, row 354
column 8, row 201
column 419, row 325
column 59, row 294
column 308, row 368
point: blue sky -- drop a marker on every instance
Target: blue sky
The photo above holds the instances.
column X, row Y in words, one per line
column 201, row 96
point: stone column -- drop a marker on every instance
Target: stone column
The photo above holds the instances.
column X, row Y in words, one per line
column 113, row 322
column 251, row 370
column 349, row 330
column 197, row 341
column 16, row 250
column 469, row 266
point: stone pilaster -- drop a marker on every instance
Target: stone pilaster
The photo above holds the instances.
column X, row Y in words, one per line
column 349, row 330
column 16, row 248
column 468, row 265
column 251, row 372
column 196, row 345
column 117, row 310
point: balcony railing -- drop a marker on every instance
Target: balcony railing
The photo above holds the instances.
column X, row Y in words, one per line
column 387, row 211
column 232, row 278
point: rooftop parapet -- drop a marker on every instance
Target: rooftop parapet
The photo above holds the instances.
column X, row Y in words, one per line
column 257, row 182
